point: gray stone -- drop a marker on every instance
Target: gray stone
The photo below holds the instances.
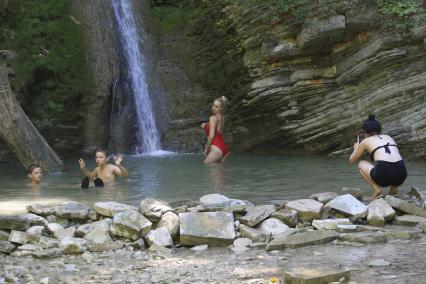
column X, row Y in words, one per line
column 29, row 247
column 287, row 216
column 375, row 220
column 420, row 195
column 35, row 220
column 51, row 219
column 7, row 247
column 348, row 205
column 160, row 237
column 130, row 224
column 35, row 230
column 329, row 224
column 19, row 223
column 95, row 247
column 46, row 242
column 378, row 263
column 88, row 257
column 273, row 226
column 409, row 220
column 48, row 253
column 43, row 210
column 110, row 208
column 72, row 210
column 4, row 235
column 308, row 209
column 93, row 215
column 68, row 232
column 256, row 214
column 214, row 200
column 355, row 192
column 401, row 235
column 170, row 221
column 242, row 242
column 84, row 229
column 54, row 227
column 404, row 206
column 302, row 239
column 200, row 248
column 252, row 234
column 364, row 237
column 316, row 276
column 153, row 208
column 323, row 197
column 100, row 233
column 319, row 33
column 73, row 245
column 22, row 237
column 423, row 226
column 211, row 228
column 381, row 208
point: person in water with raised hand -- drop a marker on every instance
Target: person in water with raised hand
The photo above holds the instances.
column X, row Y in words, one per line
column 103, row 172
column 388, row 168
column 216, row 149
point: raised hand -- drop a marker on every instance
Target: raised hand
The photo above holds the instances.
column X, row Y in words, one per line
column 82, row 163
column 118, row 159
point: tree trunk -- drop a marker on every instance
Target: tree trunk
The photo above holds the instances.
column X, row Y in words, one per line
column 18, row 132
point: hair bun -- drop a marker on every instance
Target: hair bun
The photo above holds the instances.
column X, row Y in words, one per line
column 371, row 117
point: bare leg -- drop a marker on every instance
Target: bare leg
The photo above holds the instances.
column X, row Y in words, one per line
column 214, row 155
column 365, row 168
column 223, row 159
column 393, row 190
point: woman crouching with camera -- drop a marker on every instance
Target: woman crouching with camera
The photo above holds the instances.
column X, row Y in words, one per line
column 388, row 168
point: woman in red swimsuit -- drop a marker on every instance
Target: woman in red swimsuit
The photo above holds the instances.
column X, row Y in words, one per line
column 215, row 150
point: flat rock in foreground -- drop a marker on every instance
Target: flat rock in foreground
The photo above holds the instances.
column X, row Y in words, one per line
column 303, row 239
column 211, row 228
column 316, row 276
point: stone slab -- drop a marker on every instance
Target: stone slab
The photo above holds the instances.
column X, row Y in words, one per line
column 302, row 239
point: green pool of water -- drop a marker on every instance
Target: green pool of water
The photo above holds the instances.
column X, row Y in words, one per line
column 253, row 177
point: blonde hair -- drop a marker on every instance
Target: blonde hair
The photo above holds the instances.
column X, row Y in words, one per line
column 223, row 101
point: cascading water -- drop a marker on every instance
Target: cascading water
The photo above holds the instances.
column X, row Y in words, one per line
column 147, row 137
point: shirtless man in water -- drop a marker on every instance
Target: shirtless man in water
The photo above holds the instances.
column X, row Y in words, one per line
column 106, row 172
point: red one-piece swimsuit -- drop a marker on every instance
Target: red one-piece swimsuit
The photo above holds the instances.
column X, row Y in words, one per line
column 217, row 139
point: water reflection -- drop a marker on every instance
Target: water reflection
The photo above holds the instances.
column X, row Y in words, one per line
column 216, row 175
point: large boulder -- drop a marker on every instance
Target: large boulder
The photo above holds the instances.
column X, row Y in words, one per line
column 256, row 214
column 324, row 33
column 308, row 209
column 153, row 208
column 110, row 208
column 273, row 226
column 72, row 210
column 161, row 237
column 211, row 228
column 130, row 224
column 170, row 221
column 379, row 212
column 348, row 205
column 99, row 233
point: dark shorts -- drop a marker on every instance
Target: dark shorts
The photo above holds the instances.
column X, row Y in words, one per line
column 388, row 173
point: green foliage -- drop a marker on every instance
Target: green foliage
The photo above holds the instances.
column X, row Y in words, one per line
column 402, row 15
column 171, row 17
column 52, row 73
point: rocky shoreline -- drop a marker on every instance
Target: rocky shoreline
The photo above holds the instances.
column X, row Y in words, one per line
column 217, row 240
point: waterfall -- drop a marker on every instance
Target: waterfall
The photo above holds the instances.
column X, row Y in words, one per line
column 147, row 136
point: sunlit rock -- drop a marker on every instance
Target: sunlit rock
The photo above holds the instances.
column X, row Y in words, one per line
column 170, row 221
column 54, row 227
column 160, row 237
column 43, row 210
column 287, row 216
column 330, row 224
column 323, row 197
column 253, row 234
column 72, row 210
column 379, row 211
column 130, row 224
column 153, row 208
column 211, row 228
column 109, row 208
column 404, row 206
column 35, row 230
column 302, row 239
column 22, row 237
column 214, row 200
column 308, row 209
column 99, row 233
column 256, row 214
column 348, row 205
column 61, row 234
column 73, row 245
column 272, row 226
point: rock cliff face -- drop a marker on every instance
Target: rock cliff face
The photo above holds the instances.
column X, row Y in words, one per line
column 309, row 87
column 103, row 58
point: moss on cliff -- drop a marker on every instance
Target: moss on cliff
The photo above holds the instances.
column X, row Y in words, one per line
column 51, row 70
column 174, row 17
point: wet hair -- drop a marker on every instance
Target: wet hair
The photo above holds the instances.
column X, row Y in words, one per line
column 32, row 167
column 371, row 125
column 102, row 150
column 223, row 101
